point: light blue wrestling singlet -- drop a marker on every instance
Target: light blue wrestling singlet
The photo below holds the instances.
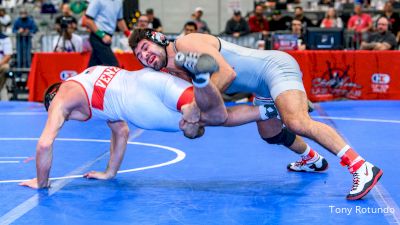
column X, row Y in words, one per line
column 264, row 73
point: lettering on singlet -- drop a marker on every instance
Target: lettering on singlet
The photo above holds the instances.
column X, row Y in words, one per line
column 101, row 85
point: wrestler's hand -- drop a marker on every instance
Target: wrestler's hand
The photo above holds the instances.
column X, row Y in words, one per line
column 33, row 183
column 190, row 113
column 107, row 39
column 98, row 175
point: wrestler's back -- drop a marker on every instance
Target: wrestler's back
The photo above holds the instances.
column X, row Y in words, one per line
column 137, row 97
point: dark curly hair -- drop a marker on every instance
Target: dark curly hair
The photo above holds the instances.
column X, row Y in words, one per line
column 138, row 35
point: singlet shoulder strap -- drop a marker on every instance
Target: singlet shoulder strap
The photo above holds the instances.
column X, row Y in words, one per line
column 174, row 46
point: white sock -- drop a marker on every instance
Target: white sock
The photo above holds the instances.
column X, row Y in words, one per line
column 306, row 152
column 343, row 151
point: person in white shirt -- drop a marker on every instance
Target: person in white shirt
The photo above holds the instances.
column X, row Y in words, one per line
column 67, row 41
column 5, row 57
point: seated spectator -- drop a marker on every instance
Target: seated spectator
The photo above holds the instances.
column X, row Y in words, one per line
column 383, row 39
column 258, row 22
column 393, row 18
column 299, row 15
column 360, row 23
column 188, row 28
column 5, row 22
column 154, row 22
column 237, row 25
column 5, row 57
column 297, row 29
column 331, row 20
column 66, row 14
column 67, row 40
column 278, row 22
column 142, row 22
column 202, row 26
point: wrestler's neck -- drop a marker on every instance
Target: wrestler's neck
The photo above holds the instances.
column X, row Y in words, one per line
column 171, row 67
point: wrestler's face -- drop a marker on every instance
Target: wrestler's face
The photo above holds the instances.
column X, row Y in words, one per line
column 150, row 54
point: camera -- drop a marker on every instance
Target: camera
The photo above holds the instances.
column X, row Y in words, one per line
column 65, row 21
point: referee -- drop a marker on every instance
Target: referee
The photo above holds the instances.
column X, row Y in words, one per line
column 102, row 18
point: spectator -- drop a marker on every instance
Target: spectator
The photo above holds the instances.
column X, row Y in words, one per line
column 278, row 22
column 102, row 16
column 360, row 23
column 189, row 27
column 297, row 29
column 393, row 18
column 331, row 20
column 24, row 28
column 258, row 22
column 142, row 22
column 202, row 26
column 299, row 15
column 155, row 22
column 5, row 57
column 67, row 40
column 66, row 14
column 383, row 39
column 5, row 22
column 237, row 25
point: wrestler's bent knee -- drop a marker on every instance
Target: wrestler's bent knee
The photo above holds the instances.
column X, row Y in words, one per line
column 285, row 137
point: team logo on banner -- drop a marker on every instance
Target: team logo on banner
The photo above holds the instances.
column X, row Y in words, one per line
column 336, row 82
column 65, row 74
column 380, row 82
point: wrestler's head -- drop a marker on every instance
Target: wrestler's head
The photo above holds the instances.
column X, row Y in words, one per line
column 149, row 47
column 191, row 130
column 50, row 94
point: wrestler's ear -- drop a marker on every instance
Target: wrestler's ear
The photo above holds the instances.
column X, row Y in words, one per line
column 201, row 132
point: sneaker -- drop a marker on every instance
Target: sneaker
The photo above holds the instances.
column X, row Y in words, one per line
column 196, row 63
column 318, row 165
column 364, row 179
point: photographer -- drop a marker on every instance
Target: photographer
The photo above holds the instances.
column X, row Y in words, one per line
column 65, row 13
column 67, row 41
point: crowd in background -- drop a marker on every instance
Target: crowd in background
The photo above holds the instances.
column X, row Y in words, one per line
column 374, row 24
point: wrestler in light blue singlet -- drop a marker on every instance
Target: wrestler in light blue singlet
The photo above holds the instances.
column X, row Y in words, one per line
column 264, row 73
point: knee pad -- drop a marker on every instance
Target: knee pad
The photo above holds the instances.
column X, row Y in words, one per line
column 285, row 137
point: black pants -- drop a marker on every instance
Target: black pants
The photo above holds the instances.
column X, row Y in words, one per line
column 101, row 53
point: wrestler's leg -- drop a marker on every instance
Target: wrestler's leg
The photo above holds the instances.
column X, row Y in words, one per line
column 292, row 106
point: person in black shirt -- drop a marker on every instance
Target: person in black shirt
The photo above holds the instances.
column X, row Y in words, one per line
column 381, row 40
column 155, row 23
column 299, row 15
column 279, row 22
column 237, row 26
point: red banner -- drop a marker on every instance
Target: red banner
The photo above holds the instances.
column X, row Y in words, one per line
column 49, row 68
column 331, row 75
column 327, row 75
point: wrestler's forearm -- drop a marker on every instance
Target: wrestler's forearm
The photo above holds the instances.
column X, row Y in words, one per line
column 44, row 158
column 211, row 105
column 242, row 114
column 119, row 141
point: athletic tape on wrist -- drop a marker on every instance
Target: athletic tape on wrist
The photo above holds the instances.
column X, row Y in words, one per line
column 201, row 80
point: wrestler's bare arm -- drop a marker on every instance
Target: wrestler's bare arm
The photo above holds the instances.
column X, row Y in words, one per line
column 205, row 44
column 242, row 114
column 119, row 139
column 44, row 149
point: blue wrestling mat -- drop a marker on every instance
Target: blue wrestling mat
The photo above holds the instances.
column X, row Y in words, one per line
column 229, row 176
